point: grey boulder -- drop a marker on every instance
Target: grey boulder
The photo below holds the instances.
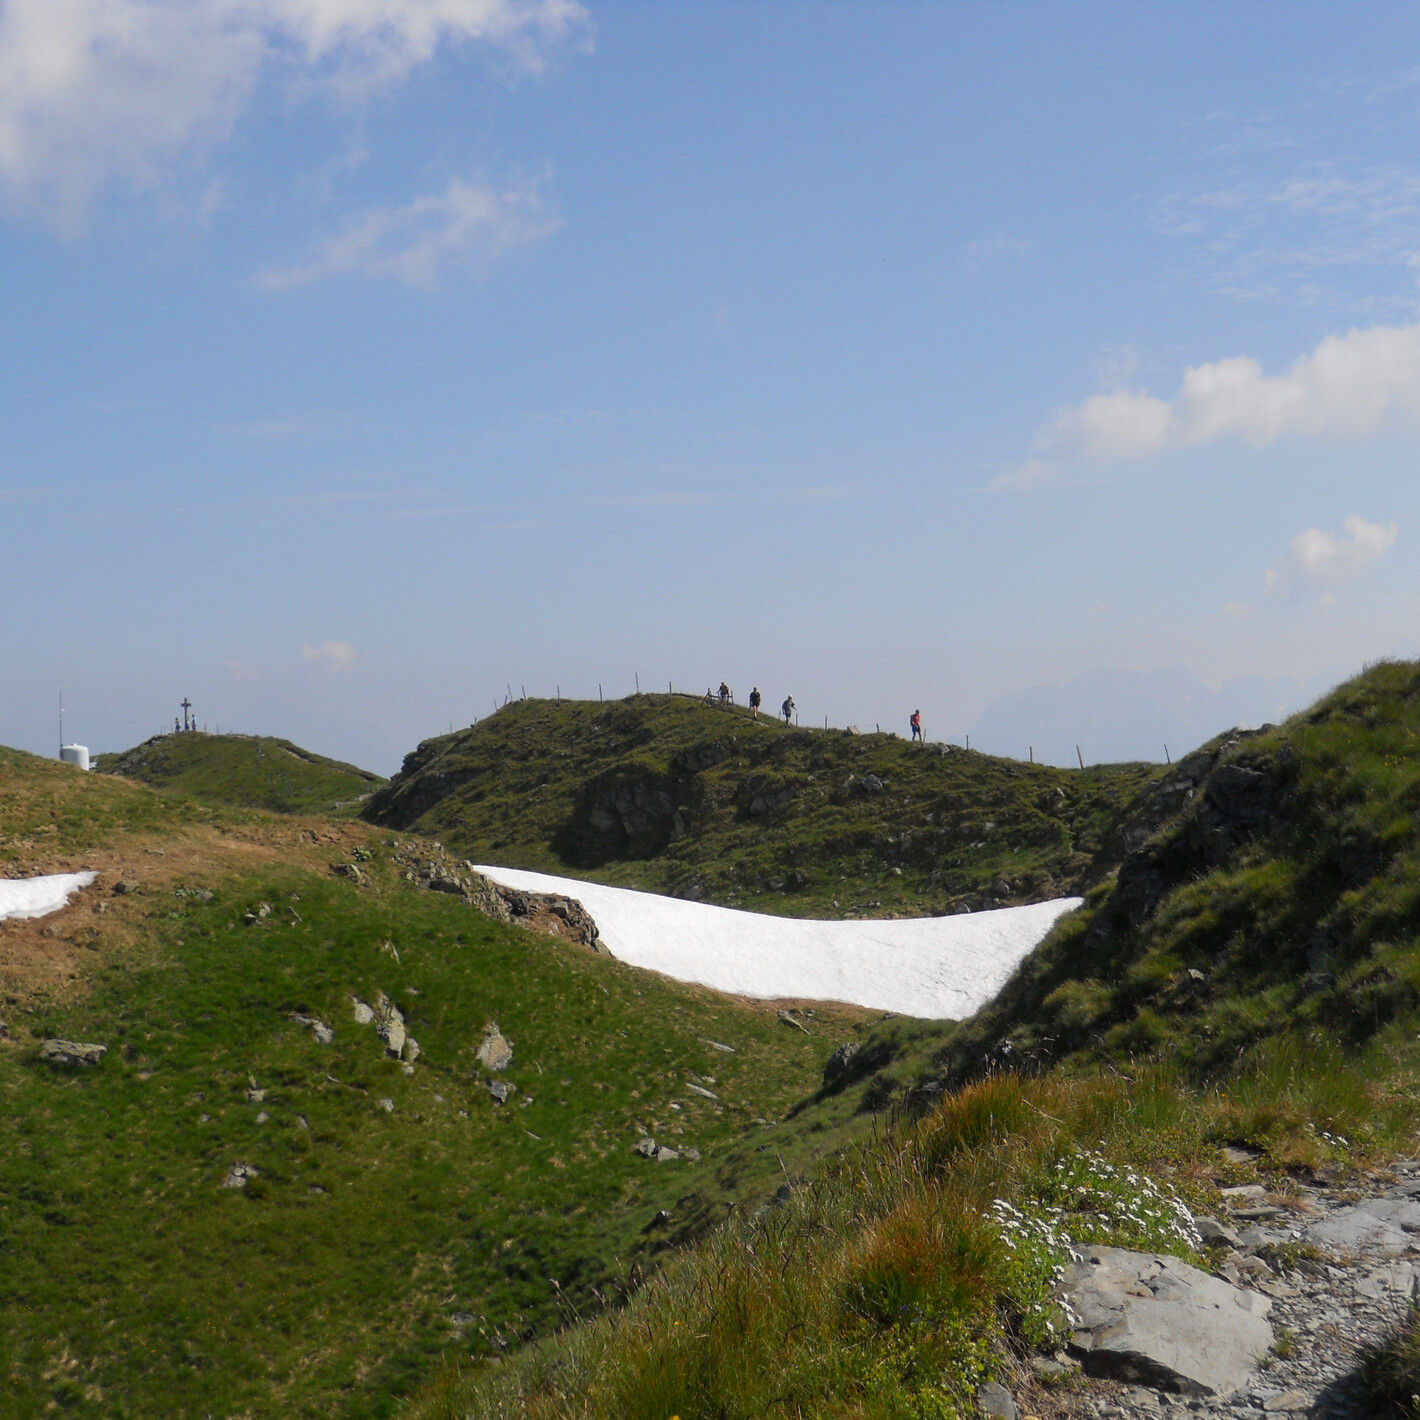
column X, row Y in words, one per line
column 495, row 1053
column 1154, row 1320
column 72, row 1052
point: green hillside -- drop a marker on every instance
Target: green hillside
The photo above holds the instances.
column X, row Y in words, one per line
column 396, row 1213
column 1239, row 1004
column 661, row 793
column 1282, row 903
column 247, row 771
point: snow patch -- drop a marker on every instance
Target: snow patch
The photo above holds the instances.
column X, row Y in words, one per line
column 939, row 968
column 38, row 897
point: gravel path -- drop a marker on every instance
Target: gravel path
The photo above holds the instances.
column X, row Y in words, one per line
column 1326, row 1309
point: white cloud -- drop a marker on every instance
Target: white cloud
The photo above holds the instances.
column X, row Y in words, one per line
column 329, row 655
column 1350, row 384
column 1030, row 474
column 464, row 227
column 93, row 91
column 1319, row 560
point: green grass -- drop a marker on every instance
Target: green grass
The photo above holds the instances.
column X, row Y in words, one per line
column 134, row 1284
column 1301, row 927
column 660, row 793
column 1252, row 977
column 896, row 1282
column 247, row 771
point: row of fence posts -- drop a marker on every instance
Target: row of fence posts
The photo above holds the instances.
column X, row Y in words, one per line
column 670, row 690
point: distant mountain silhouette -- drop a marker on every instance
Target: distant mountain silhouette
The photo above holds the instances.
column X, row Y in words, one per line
column 1126, row 715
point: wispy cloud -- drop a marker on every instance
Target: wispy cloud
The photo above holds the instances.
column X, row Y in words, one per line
column 1031, row 474
column 312, row 424
column 1319, row 560
column 983, row 252
column 98, row 91
column 329, row 655
column 1349, row 385
column 465, row 228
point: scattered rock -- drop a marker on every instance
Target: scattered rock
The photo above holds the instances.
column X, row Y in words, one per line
column 692, row 1155
column 664, row 1154
column 238, row 1174
column 256, row 1096
column 1150, row 1318
column 499, row 1091
column 348, row 870
column 412, row 1052
column 996, row 1400
column 701, row 1090
column 363, row 1014
column 837, row 1064
column 646, row 1147
column 389, row 1025
column 788, row 1018
column 719, row 1045
column 72, row 1052
column 495, row 1053
column 387, row 1105
column 125, row 886
column 319, row 1029
column 262, row 1117
column 871, row 784
column 1212, row 1231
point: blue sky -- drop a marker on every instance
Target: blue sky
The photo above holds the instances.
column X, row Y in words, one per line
column 360, row 359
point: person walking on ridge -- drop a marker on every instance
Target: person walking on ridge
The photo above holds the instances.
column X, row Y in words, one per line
column 754, row 701
column 787, row 710
column 724, row 696
column 916, row 723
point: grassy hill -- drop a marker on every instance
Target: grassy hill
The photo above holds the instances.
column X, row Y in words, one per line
column 248, row 771
column 660, row 793
column 397, row 1213
column 1280, row 904
column 1239, row 1004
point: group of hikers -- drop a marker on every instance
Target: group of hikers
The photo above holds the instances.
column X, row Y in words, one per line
column 726, row 698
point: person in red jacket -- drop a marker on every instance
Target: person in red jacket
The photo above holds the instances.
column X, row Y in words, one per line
column 916, row 723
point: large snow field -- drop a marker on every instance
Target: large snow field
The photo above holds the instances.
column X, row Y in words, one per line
column 940, row 968
column 38, row 897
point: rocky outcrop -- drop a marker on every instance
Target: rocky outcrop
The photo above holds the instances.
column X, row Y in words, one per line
column 625, row 813
column 431, row 868
column 1152, row 1319
column 72, row 1053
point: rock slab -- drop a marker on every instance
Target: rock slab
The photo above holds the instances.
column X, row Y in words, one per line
column 72, row 1052
column 1153, row 1319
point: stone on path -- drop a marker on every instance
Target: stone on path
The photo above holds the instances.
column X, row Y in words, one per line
column 72, row 1052
column 1151, row 1318
column 1384, row 1224
column 995, row 1399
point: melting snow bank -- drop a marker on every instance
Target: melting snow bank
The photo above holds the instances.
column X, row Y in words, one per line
column 940, row 968
column 38, row 897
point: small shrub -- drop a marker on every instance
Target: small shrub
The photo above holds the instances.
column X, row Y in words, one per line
column 1390, row 1374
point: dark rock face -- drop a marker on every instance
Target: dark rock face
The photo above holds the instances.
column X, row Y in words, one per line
column 416, row 788
column 622, row 816
column 702, row 757
column 1217, row 806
